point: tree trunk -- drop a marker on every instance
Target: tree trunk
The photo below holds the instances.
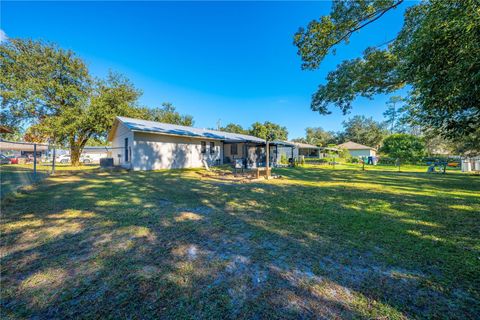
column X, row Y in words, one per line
column 76, row 149
column 75, row 155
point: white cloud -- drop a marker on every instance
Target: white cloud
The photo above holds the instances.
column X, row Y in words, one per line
column 3, row 36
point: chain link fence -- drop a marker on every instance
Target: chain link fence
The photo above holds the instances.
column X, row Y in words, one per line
column 24, row 163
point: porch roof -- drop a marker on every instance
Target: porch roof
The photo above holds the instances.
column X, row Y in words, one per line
column 22, row 146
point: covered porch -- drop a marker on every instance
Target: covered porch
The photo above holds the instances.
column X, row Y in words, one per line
column 249, row 155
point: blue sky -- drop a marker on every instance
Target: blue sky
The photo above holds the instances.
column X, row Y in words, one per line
column 218, row 61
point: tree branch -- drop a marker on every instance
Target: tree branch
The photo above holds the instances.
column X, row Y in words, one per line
column 379, row 14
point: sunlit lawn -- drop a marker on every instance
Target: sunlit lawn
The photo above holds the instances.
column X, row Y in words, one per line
column 13, row 176
column 318, row 243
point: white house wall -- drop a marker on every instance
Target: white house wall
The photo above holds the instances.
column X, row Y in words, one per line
column 362, row 153
column 118, row 146
column 154, row 151
column 228, row 154
column 95, row 156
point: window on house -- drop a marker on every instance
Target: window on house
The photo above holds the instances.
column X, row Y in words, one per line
column 204, row 147
column 212, row 147
column 126, row 149
column 233, row 149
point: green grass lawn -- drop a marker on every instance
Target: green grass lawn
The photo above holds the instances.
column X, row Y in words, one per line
column 317, row 243
column 14, row 176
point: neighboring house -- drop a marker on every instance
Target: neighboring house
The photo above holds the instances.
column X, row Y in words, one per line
column 95, row 153
column 358, row 150
column 292, row 150
column 308, row 150
column 23, row 149
column 149, row 145
column 327, row 152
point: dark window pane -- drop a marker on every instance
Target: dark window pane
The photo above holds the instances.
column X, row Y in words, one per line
column 204, row 147
column 212, row 147
column 126, row 149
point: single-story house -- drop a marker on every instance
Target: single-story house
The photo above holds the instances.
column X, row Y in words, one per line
column 148, row 145
column 358, row 150
column 308, row 150
column 327, row 152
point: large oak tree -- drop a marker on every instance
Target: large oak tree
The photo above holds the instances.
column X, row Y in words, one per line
column 52, row 89
column 436, row 55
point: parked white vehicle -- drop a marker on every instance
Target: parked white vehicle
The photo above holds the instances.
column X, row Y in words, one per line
column 65, row 158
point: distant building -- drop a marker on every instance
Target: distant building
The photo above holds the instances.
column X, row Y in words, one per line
column 358, row 150
column 292, row 150
column 22, row 149
column 95, row 153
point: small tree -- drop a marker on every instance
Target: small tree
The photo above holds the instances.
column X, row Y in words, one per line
column 393, row 113
column 403, row 147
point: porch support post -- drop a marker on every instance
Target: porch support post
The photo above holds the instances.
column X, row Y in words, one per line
column 268, row 158
column 223, row 156
column 276, row 154
column 245, row 155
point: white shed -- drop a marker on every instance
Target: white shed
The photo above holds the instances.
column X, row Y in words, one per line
column 358, row 150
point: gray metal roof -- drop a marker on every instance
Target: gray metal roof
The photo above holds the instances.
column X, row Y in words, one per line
column 295, row 144
column 177, row 130
column 284, row 143
column 350, row 145
column 306, row 146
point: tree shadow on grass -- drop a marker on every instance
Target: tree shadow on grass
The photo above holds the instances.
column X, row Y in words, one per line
column 164, row 244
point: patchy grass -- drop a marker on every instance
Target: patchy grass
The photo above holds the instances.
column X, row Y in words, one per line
column 320, row 242
column 14, row 176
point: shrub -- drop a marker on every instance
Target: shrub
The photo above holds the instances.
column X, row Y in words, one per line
column 406, row 148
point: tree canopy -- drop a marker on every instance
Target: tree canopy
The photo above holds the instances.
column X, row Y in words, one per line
column 52, row 89
column 363, row 130
column 168, row 114
column 234, row 128
column 402, row 146
column 317, row 136
column 394, row 114
column 269, row 131
column 437, row 54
